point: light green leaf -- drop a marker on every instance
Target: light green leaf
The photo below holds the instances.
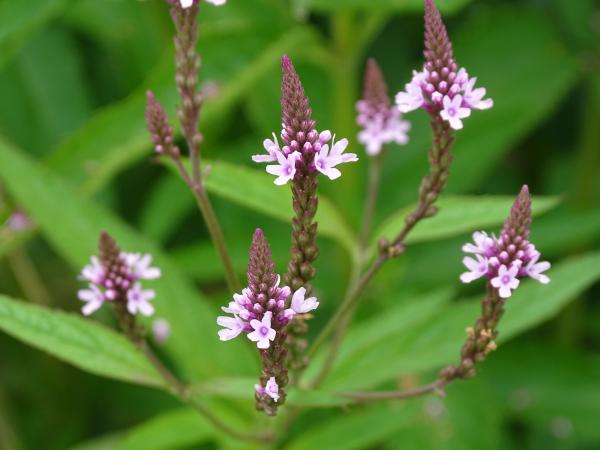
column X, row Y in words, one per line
column 78, row 341
column 170, row 430
column 117, row 137
column 255, row 189
column 459, row 214
column 437, row 340
column 72, row 226
column 19, row 19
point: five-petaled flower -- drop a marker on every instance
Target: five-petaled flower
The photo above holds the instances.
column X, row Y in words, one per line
column 286, row 169
column 326, row 160
column 271, row 389
column 263, row 334
column 506, row 281
column 300, row 305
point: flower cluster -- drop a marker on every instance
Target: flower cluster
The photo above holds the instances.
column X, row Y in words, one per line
column 506, row 259
column 325, row 159
column 441, row 88
column 381, row 123
column 304, row 148
column 260, row 315
column 115, row 277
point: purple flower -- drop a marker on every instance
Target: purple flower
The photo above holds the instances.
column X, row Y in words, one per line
column 507, row 258
column 233, row 326
column 272, row 148
column 326, row 160
column 477, row 268
column 115, row 276
column 263, row 334
column 286, row 169
column 534, row 269
column 93, row 297
column 300, row 305
column 441, row 88
column 271, row 389
column 453, row 111
column 506, row 281
column 381, row 122
column 138, row 299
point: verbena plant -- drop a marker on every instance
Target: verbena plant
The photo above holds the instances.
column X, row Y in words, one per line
column 274, row 308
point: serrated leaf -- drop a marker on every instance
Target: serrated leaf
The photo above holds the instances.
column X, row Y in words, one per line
column 77, row 341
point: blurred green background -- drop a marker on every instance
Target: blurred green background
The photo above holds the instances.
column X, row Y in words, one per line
column 74, row 154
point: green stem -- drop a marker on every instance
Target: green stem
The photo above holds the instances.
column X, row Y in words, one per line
column 28, row 277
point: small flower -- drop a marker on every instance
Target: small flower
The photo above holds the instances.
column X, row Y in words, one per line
column 301, row 305
column 93, row 272
column 477, row 268
column 263, row 333
column 286, row 169
column 484, row 244
column 138, row 299
column 93, row 297
column 233, row 326
column 161, row 329
column 188, row 3
column 271, row 389
column 140, row 266
column 474, row 98
column 272, row 148
column 325, row 160
column 412, row 97
column 534, row 269
column 18, row 221
column 454, row 111
column 506, row 281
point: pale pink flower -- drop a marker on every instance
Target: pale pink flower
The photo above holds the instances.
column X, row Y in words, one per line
column 454, row 111
column 473, row 98
column 263, row 334
column 506, row 281
column 534, row 269
column 477, row 268
column 271, row 389
column 484, row 244
column 93, row 297
column 326, row 160
column 140, row 266
column 412, row 97
column 138, row 299
column 301, row 305
column 161, row 329
column 272, row 148
column 286, row 169
column 233, row 326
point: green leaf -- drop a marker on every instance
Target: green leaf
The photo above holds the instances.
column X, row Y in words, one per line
column 78, row 341
column 117, row 137
column 72, row 226
column 255, row 189
column 174, row 429
column 459, row 214
column 370, row 5
column 438, row 339
column 18, row 20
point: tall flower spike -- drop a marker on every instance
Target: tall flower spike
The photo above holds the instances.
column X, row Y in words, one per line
column 503, row 261
column 187, row 64
column 380, row 122
column 441, row 88
column 115, row 277
column 261, row 311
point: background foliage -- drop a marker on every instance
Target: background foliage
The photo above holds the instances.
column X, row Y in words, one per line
column 74, row 154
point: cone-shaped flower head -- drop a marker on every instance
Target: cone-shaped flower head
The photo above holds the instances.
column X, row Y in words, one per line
column 159, row 127
column 115, row 276
column 441, row 88
column 380, row 122
column 305, row 151
column 261, row 312
column 510, row 257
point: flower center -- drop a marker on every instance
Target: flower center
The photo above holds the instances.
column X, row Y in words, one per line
column 506, row 279
column 264, row 331
column 451, row 112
